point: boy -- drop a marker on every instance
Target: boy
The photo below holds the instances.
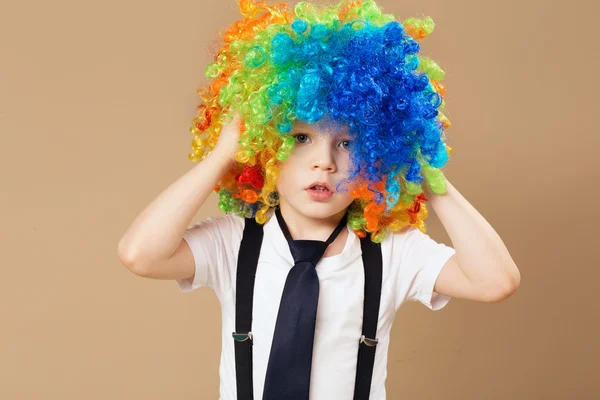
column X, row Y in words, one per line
column 309, row 206
column 413, row 262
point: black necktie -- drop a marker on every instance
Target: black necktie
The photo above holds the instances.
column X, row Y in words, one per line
column 288, row 370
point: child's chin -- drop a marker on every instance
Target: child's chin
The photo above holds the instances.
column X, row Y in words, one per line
column 320, row 210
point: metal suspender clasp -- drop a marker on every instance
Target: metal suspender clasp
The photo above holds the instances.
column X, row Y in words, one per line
column 368, row 341
column 242, row 337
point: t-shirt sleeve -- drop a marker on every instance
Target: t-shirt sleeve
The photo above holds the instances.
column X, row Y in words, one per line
column 214, row 243
column 421, row 260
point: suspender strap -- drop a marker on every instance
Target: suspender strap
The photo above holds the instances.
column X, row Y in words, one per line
column 246, row 272
column 372, row 263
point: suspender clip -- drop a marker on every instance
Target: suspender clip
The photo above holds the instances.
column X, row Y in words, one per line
column 368, row 341
column 242, row 337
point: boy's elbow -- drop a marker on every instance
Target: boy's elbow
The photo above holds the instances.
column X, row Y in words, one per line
column 508, row 288
column 130, row 259
column 514, row 281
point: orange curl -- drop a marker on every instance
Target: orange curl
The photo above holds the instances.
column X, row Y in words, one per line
column 416, row 34
column 361, row 189
column 247, row 28
column 439, row 88
column 360, row 192
column 344, row 10
column 205, row 119
column 229, row 179
column 371, row 212
column 218, row 83
column 360, row 233
column 249, row 196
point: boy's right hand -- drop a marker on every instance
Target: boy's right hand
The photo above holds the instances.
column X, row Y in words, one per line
column 227, row 144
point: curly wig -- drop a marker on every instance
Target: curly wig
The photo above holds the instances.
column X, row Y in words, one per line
column 348, row 62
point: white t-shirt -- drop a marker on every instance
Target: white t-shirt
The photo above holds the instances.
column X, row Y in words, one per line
column 412, row 262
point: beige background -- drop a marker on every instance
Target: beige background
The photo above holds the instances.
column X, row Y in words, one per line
column 96, row 99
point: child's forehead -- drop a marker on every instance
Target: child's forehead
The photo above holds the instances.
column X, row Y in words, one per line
column 322, row 127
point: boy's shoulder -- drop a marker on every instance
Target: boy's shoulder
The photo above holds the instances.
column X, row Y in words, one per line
column 228, row 217
column 226, row 225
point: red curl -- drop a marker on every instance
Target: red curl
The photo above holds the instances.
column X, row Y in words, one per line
column 252, row 175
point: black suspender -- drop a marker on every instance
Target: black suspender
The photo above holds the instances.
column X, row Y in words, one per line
column 246, row 272
column 372, row 263
column 245, row 276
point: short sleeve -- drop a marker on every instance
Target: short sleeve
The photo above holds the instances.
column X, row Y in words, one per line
column 214, row 243
column 421, row 259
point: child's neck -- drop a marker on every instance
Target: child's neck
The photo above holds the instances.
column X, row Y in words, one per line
column 338, row 244
column 302, row 227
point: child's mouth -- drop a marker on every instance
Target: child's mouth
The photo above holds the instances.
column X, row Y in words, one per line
column 319, row 193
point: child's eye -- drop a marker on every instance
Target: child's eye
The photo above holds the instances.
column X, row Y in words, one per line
column 301, row 138
column 345, row 144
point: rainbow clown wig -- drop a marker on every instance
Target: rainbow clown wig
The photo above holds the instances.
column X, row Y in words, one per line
column 348, row 62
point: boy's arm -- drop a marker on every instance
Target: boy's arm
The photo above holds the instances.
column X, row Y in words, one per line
column 153, row 245
column 482, row 268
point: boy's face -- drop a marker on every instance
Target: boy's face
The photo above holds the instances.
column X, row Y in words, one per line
column 320, row 155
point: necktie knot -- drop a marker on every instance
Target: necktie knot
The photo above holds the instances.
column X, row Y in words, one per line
column 307, row 250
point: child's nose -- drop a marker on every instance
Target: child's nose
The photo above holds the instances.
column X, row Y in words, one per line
column 323, row 159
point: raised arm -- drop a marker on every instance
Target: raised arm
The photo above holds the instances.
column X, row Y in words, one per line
column 152, row 245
